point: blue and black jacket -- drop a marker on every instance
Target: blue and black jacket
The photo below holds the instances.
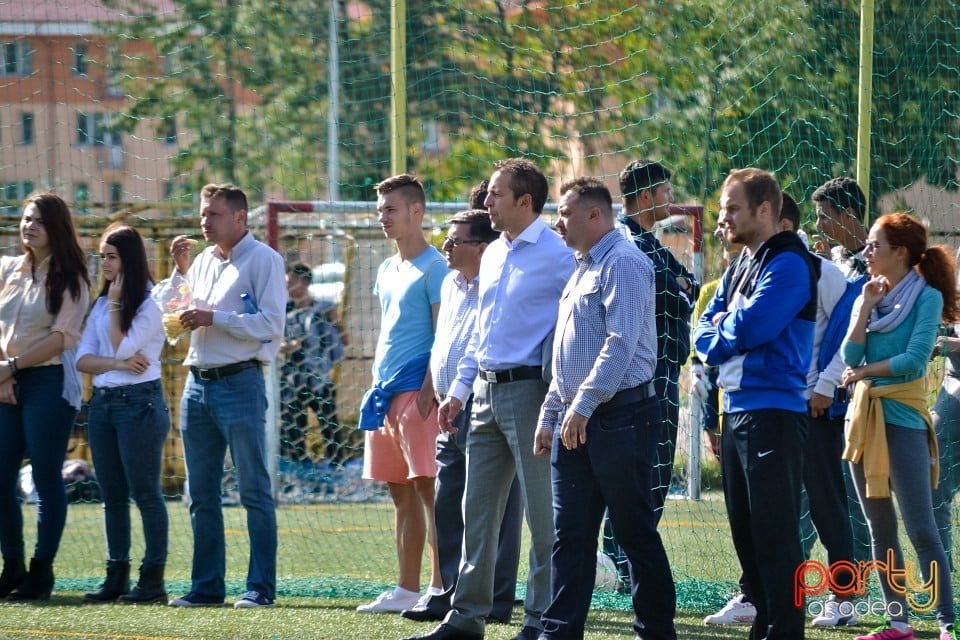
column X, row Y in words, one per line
column 763, row 342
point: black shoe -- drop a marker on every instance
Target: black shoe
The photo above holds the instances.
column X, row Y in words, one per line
column 13, row 575
column 193, row 599
column 38, row 583
column 421, row 615
column 528, row 633
column 116, row 584
column 447, row 632
column 492, row 619
column 149, row 588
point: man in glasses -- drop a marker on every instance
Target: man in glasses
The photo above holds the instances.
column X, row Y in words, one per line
column 521, row 277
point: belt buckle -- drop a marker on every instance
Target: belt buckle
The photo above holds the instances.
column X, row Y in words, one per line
column 490, row 376
column 204, row 374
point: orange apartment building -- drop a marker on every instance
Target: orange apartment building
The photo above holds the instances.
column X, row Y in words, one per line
column 58, row 95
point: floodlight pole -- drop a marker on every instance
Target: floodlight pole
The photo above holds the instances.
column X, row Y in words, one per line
column 398, row 82
column 333, row 109
column 865, row 100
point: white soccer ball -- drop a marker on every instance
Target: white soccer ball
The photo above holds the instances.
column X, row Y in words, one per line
column 607, row 577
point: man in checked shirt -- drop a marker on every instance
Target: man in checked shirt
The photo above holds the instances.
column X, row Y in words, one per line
column 600, row 420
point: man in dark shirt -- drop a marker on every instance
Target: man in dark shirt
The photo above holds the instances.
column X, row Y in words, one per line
column 647, row 194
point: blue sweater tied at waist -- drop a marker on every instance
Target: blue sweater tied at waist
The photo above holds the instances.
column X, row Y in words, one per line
column 376, row 401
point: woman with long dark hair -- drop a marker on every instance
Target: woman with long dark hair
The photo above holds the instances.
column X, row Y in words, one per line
column 44, row 294
column 890, row 438
column 127, row 420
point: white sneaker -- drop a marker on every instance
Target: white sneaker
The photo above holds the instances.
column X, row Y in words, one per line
column 391, row 602
column 422, row 602
column 836, row 613
column 737, row 611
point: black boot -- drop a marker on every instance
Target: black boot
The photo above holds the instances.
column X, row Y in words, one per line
column 116, row 584
column 38, row 582
column 14, row 571
column 149, row 588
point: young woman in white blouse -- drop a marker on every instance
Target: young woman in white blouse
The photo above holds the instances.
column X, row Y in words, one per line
column 127, row 419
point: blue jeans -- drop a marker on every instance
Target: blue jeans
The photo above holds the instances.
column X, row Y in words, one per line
column 37, row 427
column 127, row 427
column 215, row 415
column 946, row 423
column 613, row 471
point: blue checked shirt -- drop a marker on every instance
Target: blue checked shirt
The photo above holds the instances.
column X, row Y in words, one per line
column 606, row 336
column 455, row 325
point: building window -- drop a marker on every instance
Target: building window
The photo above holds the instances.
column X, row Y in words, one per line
column 14, row 193
column 93, row 129
column 26, row 128
column 81, row 196
column 14, row 59
column 170, row 130
column 114, row 88
column 80, row 59
column 116, row 193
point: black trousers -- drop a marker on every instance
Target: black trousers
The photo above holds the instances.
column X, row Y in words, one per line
column 612, row 471
column 827, row 490
column 762, row 461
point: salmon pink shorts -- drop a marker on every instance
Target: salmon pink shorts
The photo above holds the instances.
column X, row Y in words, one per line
column 405, row 447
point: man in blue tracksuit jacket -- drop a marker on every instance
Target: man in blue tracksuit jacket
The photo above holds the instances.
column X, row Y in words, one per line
column 759, row 330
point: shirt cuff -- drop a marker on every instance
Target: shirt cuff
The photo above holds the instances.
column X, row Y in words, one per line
column 460, row 391
column 825, row 388
column 585, row 404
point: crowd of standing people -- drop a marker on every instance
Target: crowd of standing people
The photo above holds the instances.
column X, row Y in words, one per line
column 520, row 371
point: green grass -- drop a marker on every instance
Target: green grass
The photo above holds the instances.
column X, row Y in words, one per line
column 65, row 617
column 333, row 557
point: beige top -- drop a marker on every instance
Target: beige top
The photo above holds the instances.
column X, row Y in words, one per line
column 24, row 318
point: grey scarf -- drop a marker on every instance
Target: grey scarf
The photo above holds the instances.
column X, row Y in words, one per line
column 893, row 309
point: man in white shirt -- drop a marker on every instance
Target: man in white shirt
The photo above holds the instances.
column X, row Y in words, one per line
column 237, row 324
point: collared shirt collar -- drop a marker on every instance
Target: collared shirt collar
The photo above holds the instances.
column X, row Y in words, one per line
column 603, row 246
column 530, row 235
column 635, row 227
column 39, row 269
column 243, row 244
column 461, row 281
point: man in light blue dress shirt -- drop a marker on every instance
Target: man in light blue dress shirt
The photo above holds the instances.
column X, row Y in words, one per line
column 521, row 277
column 469, row 233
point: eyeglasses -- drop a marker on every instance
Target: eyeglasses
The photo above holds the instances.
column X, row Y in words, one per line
column 873, row 245
column 456, row 242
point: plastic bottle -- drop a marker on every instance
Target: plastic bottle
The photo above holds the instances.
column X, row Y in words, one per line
column 249, row 306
